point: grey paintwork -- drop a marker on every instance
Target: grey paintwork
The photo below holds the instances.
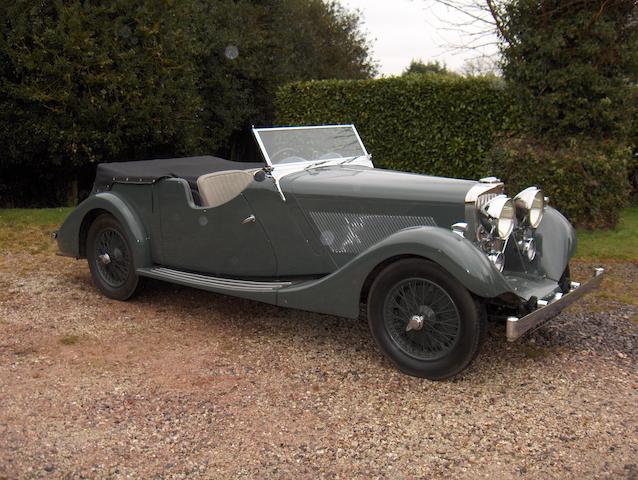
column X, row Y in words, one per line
column 455, row 254
column 286, row 241
column 556, row 242
column 359, row 192
column 210, row 240
column 130, row 205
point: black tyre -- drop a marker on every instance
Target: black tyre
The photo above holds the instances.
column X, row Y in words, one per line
column 110, row 259
column 423, row 320
column 565, row 281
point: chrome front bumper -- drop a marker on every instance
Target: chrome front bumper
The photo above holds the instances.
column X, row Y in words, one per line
column 548, row 309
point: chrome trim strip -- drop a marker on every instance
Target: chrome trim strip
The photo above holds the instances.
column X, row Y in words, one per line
column 199, row 280
column 262, row 147
column 299, row 127
column 517, row 327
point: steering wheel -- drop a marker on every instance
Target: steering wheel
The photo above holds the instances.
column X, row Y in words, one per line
column 285, row 153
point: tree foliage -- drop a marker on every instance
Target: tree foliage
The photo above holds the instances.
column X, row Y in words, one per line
column 462, row 127
column 83, row 82
column 571, row 64
column 88, row 81
column 572, row 67
column 419, row 67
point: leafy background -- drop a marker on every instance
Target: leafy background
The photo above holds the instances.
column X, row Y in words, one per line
column 464, row 128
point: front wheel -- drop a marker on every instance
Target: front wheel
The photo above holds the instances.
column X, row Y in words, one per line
column 110, row 259
column 423, row 320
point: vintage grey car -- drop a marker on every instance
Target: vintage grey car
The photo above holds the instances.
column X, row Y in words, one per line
column 317, row 227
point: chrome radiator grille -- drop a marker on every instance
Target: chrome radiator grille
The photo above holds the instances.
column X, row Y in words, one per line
column 355, row 232
column 484, row 198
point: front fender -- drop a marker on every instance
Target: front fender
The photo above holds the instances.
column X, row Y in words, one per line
column 70, row 233
column 339, row 292
column 556, row 244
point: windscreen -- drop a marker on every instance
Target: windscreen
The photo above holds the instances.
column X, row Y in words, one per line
column 307, row 144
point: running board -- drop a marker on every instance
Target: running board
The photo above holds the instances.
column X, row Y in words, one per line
column 207, row 282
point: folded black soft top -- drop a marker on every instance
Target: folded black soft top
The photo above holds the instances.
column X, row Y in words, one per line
column 149, row 171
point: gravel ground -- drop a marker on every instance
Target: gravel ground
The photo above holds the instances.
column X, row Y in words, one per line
column 186, row 384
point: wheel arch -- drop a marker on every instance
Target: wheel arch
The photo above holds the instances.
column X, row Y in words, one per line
column 374, row 273
column 83, row 233
column 73, row 232
column 341, row 292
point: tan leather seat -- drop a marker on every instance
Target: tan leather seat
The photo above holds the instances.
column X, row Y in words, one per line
column 218, row 188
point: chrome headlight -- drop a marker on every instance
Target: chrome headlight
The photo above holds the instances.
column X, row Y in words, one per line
column 530, row 205
column 501, row 211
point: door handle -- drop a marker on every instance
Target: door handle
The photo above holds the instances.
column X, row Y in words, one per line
column 249, row 219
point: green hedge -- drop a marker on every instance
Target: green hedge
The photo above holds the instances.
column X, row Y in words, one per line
column 431, row 124
column 585, row 179
column 464, row 128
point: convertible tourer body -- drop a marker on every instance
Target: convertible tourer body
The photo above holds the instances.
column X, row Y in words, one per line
column 317, row 227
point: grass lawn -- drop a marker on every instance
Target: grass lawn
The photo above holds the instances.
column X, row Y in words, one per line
column 29, row 229
column 618, row 244
column 20, row 217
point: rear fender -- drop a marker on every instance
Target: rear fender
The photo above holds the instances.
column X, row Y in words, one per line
column 70, row 233
column 339, row 292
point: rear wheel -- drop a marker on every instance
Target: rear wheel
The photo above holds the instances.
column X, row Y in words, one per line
column 423, row 320
column 110, row 259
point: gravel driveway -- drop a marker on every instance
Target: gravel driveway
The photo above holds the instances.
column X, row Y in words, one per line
column 186, row 384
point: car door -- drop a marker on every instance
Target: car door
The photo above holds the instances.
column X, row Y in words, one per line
column 227, row 240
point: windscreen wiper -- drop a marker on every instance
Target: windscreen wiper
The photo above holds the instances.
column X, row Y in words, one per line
column 316, row 164
column 351, row 159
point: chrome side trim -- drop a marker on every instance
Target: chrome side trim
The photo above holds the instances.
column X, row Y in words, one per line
column 206, row 281
column 482, row 188
column 549, row 308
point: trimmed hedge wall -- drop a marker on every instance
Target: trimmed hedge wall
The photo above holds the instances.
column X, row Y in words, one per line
column 432, row 124
column 464, row 128
column 586, row 180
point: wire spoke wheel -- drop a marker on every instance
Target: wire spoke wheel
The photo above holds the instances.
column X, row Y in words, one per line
column 424, row 320
column 421, row 318
column 112, row 257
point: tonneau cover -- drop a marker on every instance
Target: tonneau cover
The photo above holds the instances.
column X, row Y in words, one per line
column 149, row 171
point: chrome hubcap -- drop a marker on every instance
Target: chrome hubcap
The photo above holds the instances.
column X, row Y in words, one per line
column 112, row 257
column 415, row 323
column 421, row 318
